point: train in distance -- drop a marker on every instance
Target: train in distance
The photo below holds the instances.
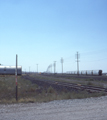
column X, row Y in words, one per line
column 86, row 72
column 10, row 70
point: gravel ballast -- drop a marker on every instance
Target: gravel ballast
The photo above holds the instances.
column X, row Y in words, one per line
column 77, row 109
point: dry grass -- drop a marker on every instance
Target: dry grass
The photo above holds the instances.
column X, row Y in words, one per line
column 69, row 79
column 28, row 92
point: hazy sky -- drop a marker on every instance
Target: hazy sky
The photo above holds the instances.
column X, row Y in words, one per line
column 43, row 31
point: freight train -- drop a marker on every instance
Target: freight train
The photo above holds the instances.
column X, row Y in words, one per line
column 86, row 72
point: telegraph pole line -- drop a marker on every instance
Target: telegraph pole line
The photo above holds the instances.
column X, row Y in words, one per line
column 77, row 56
column 51, row 68
column 29, row 69
column 62, row 64
column 54, row 67
column 37, row 68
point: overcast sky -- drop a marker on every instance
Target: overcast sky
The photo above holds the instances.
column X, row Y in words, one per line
column 43, row 31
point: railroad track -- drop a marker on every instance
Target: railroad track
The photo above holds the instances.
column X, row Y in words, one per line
column 95, row 77
column 66, row 85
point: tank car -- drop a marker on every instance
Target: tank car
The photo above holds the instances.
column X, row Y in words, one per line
column 10, row 70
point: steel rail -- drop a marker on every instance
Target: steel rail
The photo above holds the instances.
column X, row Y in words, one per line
column 70, row 85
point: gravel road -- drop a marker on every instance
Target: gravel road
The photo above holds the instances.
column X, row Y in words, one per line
column 77, row 109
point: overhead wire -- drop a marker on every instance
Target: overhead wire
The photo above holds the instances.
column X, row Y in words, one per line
column 84, row 54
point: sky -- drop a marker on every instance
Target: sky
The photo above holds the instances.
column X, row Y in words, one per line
column 43, row 31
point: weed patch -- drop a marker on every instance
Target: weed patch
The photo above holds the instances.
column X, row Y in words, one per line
column 28, row 92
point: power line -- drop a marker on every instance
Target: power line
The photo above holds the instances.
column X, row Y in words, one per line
column 96, row 60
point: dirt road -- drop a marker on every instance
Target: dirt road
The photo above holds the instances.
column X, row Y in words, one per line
column 78, row 109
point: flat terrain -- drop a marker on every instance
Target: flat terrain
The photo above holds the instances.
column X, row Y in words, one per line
column 99, row 81
column 36, row 90
column 77, row 109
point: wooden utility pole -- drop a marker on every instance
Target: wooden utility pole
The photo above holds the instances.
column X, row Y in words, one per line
column 51, row 68
column 54, row 67
column 37, row 68
column 29, row 69
column 62, row 64
column 77, row 57
column 16, row 81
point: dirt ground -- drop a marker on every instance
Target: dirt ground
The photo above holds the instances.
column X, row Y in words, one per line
column 77, row 109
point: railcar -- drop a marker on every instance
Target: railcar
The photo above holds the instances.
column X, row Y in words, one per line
column 92, row 72
column 87, row 72
column 10, row 70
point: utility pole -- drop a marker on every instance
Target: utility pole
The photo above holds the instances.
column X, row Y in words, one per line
column 77, row 57
column 62, row 64
column 51, row 68
column 54, row 67
column 29, row 69
column 37, row 68
column 25, row 71
column 16, row 81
